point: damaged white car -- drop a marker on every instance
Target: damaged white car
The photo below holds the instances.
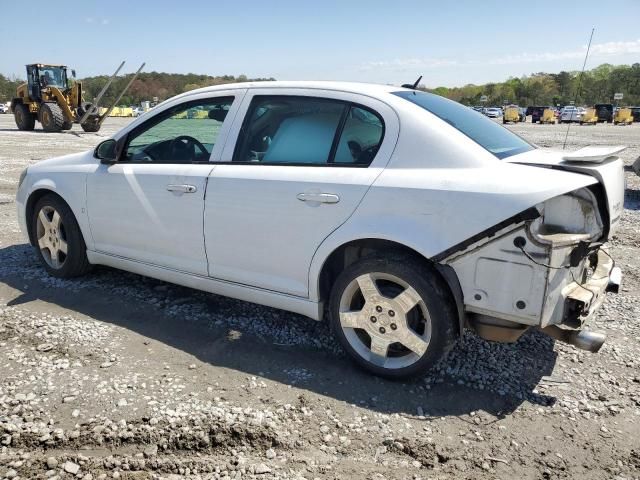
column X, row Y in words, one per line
column 398, row 216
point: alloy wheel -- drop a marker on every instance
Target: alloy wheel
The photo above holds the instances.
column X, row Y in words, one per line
column 52, row 240
column 385, row 320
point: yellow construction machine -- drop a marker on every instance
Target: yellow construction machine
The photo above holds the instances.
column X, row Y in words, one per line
column 511, row 114
column 548, row 116
column 589, row 117
column 56, row 101
column 623, row 116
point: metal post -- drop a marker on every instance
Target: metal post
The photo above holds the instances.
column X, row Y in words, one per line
column 96, row 100
column 106, row 114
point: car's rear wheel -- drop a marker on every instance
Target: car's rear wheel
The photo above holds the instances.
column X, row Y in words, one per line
column 393, row 316
column 58, row 239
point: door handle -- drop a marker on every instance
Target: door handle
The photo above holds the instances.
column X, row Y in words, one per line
column 182, row 188
column 318, row 197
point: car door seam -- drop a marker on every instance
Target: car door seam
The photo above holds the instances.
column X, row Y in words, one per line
column 204, row 212
column 354, row 210
column 86, row 206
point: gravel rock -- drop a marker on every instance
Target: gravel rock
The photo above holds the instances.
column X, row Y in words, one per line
column 71, row 467
column 261, row 469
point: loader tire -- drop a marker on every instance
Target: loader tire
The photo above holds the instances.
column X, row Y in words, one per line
column 90, row 127
column 25, row 120
column 51, row 117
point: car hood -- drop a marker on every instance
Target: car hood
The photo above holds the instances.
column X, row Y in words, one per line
column 82, row 158
column 601, row 163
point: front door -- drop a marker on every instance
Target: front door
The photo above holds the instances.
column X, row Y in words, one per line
column 299, row 169
column 149, row 205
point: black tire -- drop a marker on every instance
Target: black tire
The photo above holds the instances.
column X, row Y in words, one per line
column 25, row 120
column 75, row 262
column 90, row 127
column 431, row 289
column 67, row 125
column 51, row 117
column 83, row 108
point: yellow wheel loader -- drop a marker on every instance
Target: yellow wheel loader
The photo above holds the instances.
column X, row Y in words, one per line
column 51, row 98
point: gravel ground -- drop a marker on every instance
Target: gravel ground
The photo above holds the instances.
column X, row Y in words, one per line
column 119, row 376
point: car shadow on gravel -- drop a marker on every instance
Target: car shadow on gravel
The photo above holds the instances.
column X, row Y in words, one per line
column 475, row 376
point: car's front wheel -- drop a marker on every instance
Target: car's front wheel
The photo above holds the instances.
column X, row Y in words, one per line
column 58, row 239
column 393, row 315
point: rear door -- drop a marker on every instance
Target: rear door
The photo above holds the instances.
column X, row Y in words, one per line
column 296, row 166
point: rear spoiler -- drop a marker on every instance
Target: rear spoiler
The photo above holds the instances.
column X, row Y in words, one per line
column 593, row 154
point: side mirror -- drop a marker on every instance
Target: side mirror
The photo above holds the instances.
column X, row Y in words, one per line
column 107, row 152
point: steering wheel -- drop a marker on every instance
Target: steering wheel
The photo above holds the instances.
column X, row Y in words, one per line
column 185, row 143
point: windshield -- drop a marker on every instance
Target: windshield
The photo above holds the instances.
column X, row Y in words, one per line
column 53, row 77
column 485, row 132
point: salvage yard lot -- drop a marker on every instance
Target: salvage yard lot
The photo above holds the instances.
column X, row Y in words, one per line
column 124, row 376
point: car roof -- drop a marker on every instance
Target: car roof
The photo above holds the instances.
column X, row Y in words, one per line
column 350, row 87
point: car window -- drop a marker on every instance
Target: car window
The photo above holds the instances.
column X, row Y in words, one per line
column 297, row 130
column 183, row 134
column 498, row 140
column 360, row 138
column 289, row 129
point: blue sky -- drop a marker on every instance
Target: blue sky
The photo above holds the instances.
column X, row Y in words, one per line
column 449, row 42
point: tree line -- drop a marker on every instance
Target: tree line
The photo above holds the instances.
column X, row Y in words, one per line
column 146, row 87
column 596, row 86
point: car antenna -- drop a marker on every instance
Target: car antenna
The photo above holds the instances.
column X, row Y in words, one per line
column 575, row 98
column 413, row 86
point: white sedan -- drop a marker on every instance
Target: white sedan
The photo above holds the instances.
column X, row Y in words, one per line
column 398, row 215
column 571, row 114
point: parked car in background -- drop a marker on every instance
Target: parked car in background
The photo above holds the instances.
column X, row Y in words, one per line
column 137, row 111
column 635, row 111
column 571, row 113
column 605, row 112
column 233, row 202
column 493, row 112
column 4, row 108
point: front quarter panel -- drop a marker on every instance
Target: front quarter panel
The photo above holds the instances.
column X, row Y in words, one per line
column 65, row 176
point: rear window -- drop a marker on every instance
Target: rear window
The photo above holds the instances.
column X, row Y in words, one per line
column 498, row 140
